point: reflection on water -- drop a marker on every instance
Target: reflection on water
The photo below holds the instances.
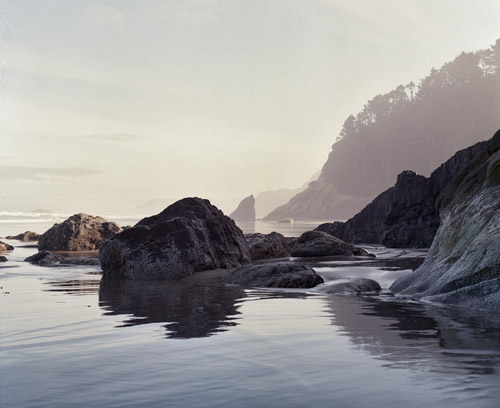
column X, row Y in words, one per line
column 265, row 344
column 191, row 310
column 419, row 336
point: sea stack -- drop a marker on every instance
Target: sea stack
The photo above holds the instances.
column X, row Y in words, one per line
column 245, row 212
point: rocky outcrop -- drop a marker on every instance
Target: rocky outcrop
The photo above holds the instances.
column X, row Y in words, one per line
column 5, row 247
column 189, row 236
column 400, row 130
column 47, row 258
column 80, row 232
column 245, row 211
column 318, row 243
column 354, row 287
column 28, row 236
column 266, row 246
column 463, row 264
column 274, row 275
column 404, row 216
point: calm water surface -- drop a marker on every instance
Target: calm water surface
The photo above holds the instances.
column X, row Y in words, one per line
column 68, row 339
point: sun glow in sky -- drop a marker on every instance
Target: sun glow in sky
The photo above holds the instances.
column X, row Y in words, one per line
column 106, row 105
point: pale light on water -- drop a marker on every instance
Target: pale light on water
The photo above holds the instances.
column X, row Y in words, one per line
column 68, row 339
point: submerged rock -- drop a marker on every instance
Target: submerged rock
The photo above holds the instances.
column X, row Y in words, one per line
column 189, row 236
column 80, row 232
column 274, row 275
column 266, row 246
column 245, row 211
column 463, row 264
column 318, row 243
column 28, row 236
column 356, row 286
column 5, row 247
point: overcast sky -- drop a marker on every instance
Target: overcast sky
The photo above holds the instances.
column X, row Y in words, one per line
column 105, row 105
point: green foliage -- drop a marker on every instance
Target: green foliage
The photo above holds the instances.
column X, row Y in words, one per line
column 470, row 71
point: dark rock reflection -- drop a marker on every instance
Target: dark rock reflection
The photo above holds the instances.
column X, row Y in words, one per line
column 190, row 309
column 406, row 335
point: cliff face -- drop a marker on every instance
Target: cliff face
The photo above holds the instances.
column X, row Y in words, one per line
column 453, row 108
column 463, row 264
column 404, row 215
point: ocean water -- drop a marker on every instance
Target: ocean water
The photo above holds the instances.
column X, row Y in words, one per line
column 69, row 340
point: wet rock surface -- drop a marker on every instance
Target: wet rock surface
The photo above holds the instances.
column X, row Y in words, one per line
column 274, row 275
column 44, row 258
column 356, row 286
column 80, row 232
column 266, row 246
column 189, row 236
column 319, row 243
column 5, row 247
column 463, row 264
column 47, row 258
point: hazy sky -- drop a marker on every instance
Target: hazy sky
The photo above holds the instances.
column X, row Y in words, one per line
column 105, row 105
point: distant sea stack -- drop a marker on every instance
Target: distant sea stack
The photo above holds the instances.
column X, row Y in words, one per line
column 245, row 212
column 189, row 236
column 404, row 216
column 463, row 264
column 80, row 232
column 415, row 126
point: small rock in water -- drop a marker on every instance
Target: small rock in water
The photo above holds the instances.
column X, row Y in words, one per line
column 274, row 275
column 319, row 243
column 5, row 247
column 28, row 236
column 356, row 286
column 44, row 258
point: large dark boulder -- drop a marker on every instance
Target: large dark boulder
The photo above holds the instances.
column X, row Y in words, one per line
column 189, row 236
column 5, row 247
column 28, row 236
column 245, row 212
column 266, row 246
column 80, row 232
column 318, row 243
column 403, row 216
column 274, row 275
column 463, row 264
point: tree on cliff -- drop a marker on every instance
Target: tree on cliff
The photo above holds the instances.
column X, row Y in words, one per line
column 412, row 127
